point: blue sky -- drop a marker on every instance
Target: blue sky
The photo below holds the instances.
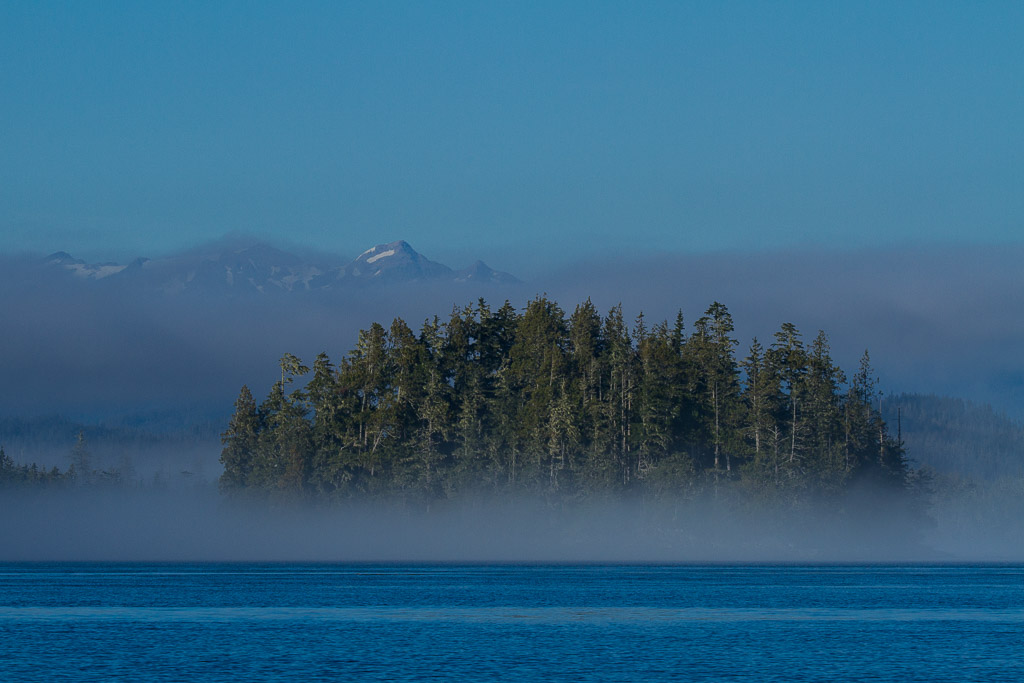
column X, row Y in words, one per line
column 520, row 132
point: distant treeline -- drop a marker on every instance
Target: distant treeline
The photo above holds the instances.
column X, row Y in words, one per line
column 82, row 473
column 30, row 475
column 536, row 402
column 954, row 436
column 79, row 471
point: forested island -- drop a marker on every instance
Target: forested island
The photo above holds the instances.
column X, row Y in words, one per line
column 537, row 402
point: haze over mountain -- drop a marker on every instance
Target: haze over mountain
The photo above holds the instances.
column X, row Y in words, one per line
column 185, row 331
column 247, row 266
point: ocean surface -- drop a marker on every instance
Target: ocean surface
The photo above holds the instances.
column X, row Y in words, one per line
column 519, row 622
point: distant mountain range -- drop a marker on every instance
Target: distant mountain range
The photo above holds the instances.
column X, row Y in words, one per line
column 255, row 267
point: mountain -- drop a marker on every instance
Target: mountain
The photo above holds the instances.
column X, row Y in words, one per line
column 481, row 272
column 241, row 266
column 394, row 262
column 256, row 268
column 82, row 269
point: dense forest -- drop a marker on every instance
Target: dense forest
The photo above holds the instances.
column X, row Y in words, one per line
column 532, row 401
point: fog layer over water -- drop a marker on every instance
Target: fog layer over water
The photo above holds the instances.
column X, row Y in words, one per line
column 945, row 320
column 198, row 524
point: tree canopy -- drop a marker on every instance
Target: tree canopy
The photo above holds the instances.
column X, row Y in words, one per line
column 566, row 406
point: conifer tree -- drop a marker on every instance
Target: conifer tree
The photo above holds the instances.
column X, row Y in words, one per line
column 6, row 467
column 655, row 409
column 586, row 346
column 858, row 428
column 789, row 358
column 81, row 461
column 240, row 441
column 536, row 361
column 763, row 398
column 563, row 437
column 433, row 413
column 823, row 380
column 716, row 378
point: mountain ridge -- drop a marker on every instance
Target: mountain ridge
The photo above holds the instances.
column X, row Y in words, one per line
column 256, row 267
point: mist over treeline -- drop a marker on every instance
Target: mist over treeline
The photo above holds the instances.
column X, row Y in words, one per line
column 139, row 445
column 945, row 320
column 89, row 512
column 955, row 437
column 88, row 509
column 935, row 319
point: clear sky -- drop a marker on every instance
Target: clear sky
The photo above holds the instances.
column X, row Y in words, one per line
column 510, row 131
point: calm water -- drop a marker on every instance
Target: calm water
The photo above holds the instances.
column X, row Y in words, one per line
column 757, row 623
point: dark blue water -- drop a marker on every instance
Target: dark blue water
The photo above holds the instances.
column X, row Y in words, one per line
column 756, row 623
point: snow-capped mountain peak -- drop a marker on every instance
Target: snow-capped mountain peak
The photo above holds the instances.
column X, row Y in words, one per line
column 395, row 261
column 239, row 267
column 78, row 267
column 62, row 258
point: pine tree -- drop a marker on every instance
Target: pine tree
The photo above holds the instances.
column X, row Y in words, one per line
column 655, row 408
column 7, row 469
column 81, row 461
column 858, row 418
column 585, row 349
column 329, row 471
column 536, row 362
column 716, row 380
column 619, row 365
column 563, row 437
column 823, row 414
column 763, row 398
column 240, row 441
column 789, row 358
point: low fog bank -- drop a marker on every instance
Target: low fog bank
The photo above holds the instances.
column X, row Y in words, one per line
column 197, row 524
column 946, row 320
column 97, row 353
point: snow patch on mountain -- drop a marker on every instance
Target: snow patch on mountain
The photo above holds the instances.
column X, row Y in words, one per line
column 383, row 254
column 95, row 272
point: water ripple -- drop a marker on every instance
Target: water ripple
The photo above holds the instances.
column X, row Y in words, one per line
column 498, row 615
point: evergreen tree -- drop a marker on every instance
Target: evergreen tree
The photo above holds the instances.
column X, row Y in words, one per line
column 620, row 379
column 716, row 381
column 655, row 406
column 536, row 362
column 81, row 461
column 763, row 399
column 789, row 358
column 7, row 470
column 822, row 384
column 240, row 441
